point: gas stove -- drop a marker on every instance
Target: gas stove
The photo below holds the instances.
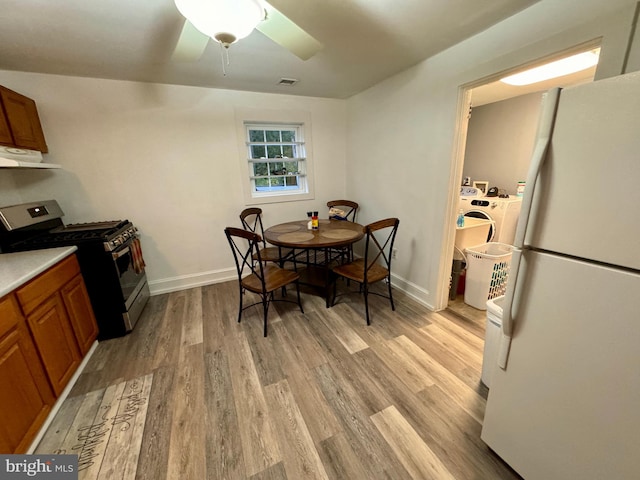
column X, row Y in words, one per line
column 109, row 254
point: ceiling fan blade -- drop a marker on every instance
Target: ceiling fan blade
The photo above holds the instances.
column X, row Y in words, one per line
column 289, row 35
column 191, row 44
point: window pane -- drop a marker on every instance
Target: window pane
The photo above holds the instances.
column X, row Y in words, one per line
column 288, row 136
column 273, row 136
column 256, row 135
column 292, row 167
column 260, row 169
column 292, row 181
column 276, row 168
column 262, row 182
column 258, row 151
column 287, row 151
column 277, row 181
column 273, row 151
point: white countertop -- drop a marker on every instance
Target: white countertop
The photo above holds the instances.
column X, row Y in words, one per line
column 18, row 268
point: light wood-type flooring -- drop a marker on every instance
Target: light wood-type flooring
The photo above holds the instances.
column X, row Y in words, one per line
column 193, row 394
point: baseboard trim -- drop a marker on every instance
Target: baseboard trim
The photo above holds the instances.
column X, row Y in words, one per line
column 184, row 282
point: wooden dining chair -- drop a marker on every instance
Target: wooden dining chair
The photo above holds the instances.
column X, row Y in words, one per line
column 251, row 219
column 257, row 276
column 351, row 210
column 376, row 264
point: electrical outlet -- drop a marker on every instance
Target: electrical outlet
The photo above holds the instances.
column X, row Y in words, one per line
column 394, row 253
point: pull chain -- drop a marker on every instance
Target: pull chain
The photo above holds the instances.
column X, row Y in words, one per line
column 224, row 51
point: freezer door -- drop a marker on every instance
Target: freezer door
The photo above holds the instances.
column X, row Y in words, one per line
column 567, row 406
column 586, row 199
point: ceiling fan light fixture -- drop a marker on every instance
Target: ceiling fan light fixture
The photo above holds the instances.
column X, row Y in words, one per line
column 226, row 21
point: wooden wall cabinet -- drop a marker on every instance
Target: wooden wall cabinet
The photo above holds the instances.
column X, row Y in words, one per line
column 46, row 327
column 25, row 397
column 19, row 122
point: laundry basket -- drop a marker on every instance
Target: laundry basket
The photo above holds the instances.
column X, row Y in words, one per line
column 487, row 272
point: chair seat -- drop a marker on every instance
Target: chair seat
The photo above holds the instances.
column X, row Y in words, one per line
column 274, row 278
column 355, row 271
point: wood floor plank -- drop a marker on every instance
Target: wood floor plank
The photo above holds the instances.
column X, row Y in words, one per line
column 187, row 459
column 59, row 427
column 319, row 418
column 343, row 331
column 301, row 460
column 259, row 442
column 415, row 455
column 154, row 450
column 340, row 461
column 169, row 333
column 123, row 448
column 459, row 392
column 362, row 435
column 224, row 446
column 219, row 314
column 192, row 321
column 405, row 366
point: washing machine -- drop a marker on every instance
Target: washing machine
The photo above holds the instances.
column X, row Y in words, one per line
column 504, row 212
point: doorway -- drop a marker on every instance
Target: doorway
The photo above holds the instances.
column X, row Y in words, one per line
column 500, row 123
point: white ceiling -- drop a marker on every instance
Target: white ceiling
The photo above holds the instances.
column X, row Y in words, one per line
column 365, row 41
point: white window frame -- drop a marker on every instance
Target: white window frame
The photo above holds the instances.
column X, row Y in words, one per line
column 284, row 120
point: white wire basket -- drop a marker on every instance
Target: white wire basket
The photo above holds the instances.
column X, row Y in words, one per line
column 488, row 268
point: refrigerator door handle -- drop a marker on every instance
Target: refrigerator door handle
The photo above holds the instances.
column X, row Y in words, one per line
column 545, row 129
column 507, row 310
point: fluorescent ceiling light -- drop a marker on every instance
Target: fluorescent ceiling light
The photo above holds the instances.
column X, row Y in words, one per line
column 565, row 66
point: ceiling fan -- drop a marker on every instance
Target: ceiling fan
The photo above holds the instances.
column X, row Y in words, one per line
column 227, row 21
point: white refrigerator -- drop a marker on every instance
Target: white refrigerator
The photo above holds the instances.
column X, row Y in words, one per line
column 564, row 401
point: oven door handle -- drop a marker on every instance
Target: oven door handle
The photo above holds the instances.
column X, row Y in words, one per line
column 120, row 253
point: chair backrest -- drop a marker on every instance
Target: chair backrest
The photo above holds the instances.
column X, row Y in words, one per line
column 351, row 209
column 251, row 219
column 245, row 246
column 378, row 248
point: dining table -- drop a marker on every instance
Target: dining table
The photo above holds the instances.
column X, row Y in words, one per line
column 314, row 248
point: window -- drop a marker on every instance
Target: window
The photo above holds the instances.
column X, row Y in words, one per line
column 275, row 155
column 276, row 159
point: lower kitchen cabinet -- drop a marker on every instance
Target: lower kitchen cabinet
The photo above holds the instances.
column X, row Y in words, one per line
column 51, row 330
column 26, row 397
column 47, row 326
column 77, row 303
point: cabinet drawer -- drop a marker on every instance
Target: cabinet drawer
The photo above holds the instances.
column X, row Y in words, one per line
column 43, row 286
column 9, row 314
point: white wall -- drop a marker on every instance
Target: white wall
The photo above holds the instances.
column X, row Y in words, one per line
column 167, row 158
column 403, row 131
column 500, row 141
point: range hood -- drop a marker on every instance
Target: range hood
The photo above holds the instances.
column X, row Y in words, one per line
column 11, row 157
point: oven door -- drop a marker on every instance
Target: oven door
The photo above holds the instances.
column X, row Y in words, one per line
column 133, row 282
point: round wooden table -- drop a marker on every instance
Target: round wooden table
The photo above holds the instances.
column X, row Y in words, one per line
column 330, row 234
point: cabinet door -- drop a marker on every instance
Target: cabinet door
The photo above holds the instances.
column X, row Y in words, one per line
column 76, row 299
column 5, row 132
column 23, row 119
column 25, row 396
column 51, row 329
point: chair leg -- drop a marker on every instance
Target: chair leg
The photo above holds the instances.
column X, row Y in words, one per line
column 240, row 308
column 265, row 309
column 390, row 294
column 299, row 302
column 366, row 302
